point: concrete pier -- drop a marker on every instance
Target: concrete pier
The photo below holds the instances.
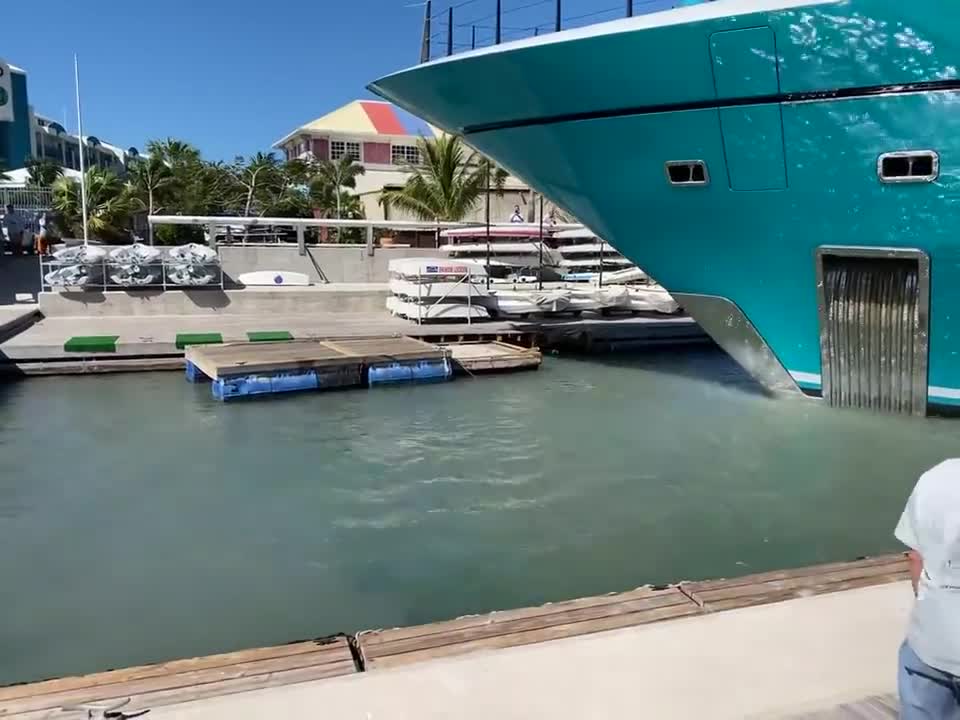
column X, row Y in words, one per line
column 144, row 325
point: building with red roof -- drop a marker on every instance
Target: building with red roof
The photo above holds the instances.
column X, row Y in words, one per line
column 382, row 138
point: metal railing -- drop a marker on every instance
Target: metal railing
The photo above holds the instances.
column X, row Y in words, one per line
column 221, row 227
column 469, row 24
column 26, row 199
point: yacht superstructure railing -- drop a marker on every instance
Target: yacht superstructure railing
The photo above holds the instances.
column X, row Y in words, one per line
column 462, row 25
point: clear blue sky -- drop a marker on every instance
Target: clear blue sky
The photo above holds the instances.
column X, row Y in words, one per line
column 231, row 76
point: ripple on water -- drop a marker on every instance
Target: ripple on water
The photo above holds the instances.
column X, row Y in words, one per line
column 316, row 513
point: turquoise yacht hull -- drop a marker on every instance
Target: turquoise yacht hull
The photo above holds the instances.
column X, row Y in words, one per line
column 788, row 108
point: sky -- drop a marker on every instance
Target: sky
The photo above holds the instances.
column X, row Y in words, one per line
column 234, row 76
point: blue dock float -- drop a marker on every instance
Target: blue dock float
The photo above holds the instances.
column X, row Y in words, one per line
column 195, row 374
column 420, row 371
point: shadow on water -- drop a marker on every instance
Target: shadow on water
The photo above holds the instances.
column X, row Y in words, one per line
column 707, row 363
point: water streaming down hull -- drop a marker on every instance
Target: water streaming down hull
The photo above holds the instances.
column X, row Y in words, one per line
column 783, row 109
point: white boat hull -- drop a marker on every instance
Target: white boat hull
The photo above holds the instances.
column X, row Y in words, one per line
column 437, row 311
column 476, row 288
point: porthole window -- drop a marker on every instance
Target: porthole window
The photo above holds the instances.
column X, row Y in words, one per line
column 687, row 172
column 908, row 166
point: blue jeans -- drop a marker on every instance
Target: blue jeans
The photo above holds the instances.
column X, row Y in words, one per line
column 925, row 692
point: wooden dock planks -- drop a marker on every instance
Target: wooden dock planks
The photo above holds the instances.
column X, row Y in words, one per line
column 763, row 588
column 253, row 357
column 480, row 357
column 386, row 648
column 184, row 680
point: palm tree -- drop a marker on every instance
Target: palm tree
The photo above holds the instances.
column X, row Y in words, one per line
column 43, row 173
column 258, row 179
column 448, row 183
column 149, row 177
column 110, row 204
column 174, row 152
column 337, row 174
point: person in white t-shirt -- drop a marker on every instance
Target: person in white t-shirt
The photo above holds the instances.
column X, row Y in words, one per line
column 929, row 673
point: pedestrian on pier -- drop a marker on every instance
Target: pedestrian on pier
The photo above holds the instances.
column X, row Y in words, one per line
column 929, row 672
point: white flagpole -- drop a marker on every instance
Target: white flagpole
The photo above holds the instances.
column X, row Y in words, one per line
column 83, row 173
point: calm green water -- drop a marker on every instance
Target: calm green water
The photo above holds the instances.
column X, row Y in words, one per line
column 141, row 520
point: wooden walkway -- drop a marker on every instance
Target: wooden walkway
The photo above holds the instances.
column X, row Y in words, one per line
column 184, row 680
column 218, row 361
column 380, row 648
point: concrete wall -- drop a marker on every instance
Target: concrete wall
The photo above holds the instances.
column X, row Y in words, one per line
column 329, row 263
column 267, row 302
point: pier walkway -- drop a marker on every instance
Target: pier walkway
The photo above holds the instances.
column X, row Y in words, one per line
column 811, row 657
column 818, row 642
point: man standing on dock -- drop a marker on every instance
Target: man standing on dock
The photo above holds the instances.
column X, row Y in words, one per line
column 929, row 673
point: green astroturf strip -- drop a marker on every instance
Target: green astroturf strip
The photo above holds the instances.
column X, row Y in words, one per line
column 269, row 336
column 91, row 343
column 184, row 339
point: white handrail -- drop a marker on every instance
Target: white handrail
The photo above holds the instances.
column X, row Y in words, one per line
column 329, row 222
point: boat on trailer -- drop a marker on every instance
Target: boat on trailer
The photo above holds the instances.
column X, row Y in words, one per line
column 795, row 164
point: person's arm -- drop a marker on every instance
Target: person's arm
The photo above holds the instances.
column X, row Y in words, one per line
column 916, row 567
column 907, row 534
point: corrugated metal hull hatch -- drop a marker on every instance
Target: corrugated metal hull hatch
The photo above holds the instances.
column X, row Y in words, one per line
column 874, row 309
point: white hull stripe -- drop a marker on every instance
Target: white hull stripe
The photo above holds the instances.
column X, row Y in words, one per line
column 934, row 391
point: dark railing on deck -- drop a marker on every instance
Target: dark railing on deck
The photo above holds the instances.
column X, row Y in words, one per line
column 484, row 20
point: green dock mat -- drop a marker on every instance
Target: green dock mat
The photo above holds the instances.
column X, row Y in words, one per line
column 184, row 339
column 269, row 336
column 91, row 343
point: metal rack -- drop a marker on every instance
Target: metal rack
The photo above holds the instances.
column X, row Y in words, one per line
column 105, row 284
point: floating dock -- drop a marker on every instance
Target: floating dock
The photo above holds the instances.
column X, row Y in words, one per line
column 263, row 368
column 373, row 651
column 489, row 357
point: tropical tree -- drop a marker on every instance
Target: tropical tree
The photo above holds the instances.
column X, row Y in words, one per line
column 448, row 183
column 334, row 176
column 174, row 152
column 290, row 197
column 328, row 203
column 43, row 173
column 110, row 204
column 149, row 178
column 258, row 180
